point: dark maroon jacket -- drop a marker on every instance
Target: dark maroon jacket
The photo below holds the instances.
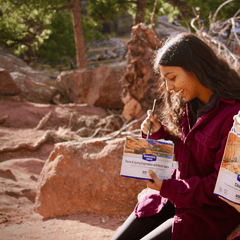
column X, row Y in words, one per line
column 199, row 213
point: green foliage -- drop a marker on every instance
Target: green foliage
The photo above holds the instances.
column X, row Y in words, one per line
column 162, row 8
column 108, row 10
column 208, row 7
column 24, row 27
column 91, row 30
column 35, row 28
column 61, row 42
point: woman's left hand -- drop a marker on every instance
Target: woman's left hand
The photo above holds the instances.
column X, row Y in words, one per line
column 156, row 183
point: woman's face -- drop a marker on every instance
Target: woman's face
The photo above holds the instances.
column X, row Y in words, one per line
column 179, row 80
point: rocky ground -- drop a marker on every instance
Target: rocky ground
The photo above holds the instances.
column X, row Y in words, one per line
column 20, row 167
column 22, row 157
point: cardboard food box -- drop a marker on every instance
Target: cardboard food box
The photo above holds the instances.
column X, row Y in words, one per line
column 228, row 181
column 141, row 155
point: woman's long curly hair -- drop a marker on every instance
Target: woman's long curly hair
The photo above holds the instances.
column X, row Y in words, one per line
column 189, row 52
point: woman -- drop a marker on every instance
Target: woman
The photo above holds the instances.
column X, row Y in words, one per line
column 201, row 94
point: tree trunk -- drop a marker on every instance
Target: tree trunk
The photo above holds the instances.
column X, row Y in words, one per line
column 141, row 9
column 79, row 36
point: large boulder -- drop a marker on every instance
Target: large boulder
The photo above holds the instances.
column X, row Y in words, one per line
column 85, row 177
column 7, row 85
column 12, row 63
column 9, row 61
column 34, row 91
column 99, row 86
column 35, row 86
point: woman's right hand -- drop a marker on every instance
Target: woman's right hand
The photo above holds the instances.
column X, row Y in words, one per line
column 156, row 125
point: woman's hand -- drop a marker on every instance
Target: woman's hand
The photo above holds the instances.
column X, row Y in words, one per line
column 235, row 205
column 156, row 125
column 156, row 183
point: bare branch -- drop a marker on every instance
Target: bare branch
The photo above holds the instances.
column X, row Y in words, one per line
column 235, row 15
column 43, row 121
column 219, row 8
column 152, row 21
column 198, row 19
column 125, row 126
column 234, row 30
column 222, row 49
column 228, row 27
column 193, row 26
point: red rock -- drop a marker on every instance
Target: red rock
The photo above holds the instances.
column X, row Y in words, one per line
column 34, row 91
column 85, row 177
column 99, row 87
column 34, row 85
column 14, row 139
column 7, row 85
column 12, row 63
column 23, row 114
column 132, row 108
column 18, row 180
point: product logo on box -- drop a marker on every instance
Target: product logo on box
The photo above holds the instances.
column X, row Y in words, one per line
column 149, row 157
column 238, row 177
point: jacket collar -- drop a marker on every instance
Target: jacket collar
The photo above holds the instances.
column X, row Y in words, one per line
column 187, row 115
column 229, row 101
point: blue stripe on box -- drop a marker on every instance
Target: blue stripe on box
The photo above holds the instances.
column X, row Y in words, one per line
column 136, row 177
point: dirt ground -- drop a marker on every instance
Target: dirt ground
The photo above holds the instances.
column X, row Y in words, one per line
column 19, row 222
column 19, row 173
column 18, row 182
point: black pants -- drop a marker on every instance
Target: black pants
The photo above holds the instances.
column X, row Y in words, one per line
column 157, row 227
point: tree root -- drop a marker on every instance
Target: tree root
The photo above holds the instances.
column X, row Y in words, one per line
column 44, row 120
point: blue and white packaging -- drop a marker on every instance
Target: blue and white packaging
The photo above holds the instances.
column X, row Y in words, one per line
column 141, row 155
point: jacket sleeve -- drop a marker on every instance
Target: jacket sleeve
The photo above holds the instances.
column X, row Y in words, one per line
column 195, row 192
column 162, row 133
